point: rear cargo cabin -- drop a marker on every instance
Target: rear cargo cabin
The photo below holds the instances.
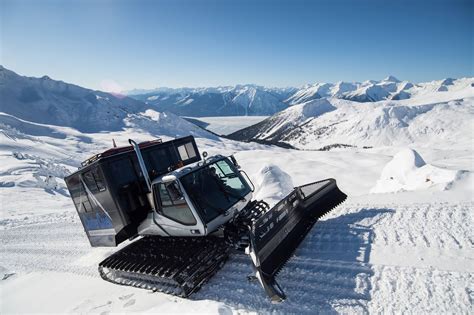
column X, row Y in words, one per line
column 109, row 189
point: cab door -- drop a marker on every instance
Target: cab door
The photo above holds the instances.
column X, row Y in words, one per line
column 174, row 213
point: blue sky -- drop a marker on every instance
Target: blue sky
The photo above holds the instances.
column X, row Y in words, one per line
column 146, row 44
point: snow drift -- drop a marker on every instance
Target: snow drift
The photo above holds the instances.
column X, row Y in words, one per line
column 272, row 184
column 408, row 171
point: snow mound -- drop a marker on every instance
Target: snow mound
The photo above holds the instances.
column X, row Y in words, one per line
column 408, row 171
column 272, row 184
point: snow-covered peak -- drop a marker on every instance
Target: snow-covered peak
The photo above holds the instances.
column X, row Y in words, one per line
column 391, row 78
column 28, row 100
column 241, row 99
column 374, row 91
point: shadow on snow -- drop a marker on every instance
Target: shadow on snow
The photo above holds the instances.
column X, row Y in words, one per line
column 328, row 274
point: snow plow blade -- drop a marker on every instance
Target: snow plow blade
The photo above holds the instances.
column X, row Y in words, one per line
column 277, row 234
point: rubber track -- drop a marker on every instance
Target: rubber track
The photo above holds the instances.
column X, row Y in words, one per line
column 181, row 265
column 178, row 266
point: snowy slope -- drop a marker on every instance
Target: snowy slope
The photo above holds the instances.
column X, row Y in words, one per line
column 47, row 101
column 407, row 251
column 427, row 120
column 51, row 102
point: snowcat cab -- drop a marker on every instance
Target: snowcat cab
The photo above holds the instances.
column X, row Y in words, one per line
column 196, row 200
column 191, row 215
column 109, row 189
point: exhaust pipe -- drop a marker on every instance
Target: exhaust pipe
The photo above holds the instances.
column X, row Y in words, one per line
column 141, row 162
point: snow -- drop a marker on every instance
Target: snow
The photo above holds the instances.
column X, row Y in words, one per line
column 229, row 124
column 272, row 184
column 423, row 123
column 250, row 99
column 408, row 171
column 406, row 251
column 244, row 100
column 91, row 295
column 374, row 91
column 391, row 78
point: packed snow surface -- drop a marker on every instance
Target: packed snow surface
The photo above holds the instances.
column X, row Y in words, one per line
column 397, row 252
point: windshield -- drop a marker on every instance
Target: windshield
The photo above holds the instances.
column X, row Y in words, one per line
column 215, row 188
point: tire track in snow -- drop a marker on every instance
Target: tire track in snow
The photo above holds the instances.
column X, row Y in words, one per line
column 54, row 246
column 420, row 291
column 440, row 226
column 329, row 273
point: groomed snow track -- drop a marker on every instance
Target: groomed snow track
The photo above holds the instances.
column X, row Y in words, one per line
column 335, row 269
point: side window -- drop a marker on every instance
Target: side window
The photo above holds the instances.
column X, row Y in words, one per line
column 99, row 180
column 190, row 150
column 175, row 193
column 186, row 151
column 182, row 152
column 173, row 204
column 164, row 196
column 90, row 181
column 94, row 180
column 79, row 195
column 86, row 205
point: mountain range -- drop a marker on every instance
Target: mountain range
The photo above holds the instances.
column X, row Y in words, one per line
column 254, row 100
column 426, row 119
column 314, row 117
column 240, row 100
column 34, row 104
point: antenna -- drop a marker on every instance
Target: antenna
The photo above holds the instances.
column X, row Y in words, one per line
column 113, row 143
